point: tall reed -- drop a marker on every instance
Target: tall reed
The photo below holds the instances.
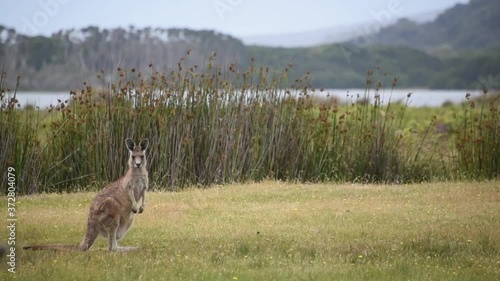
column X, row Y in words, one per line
column 477, row 137
column 215, row 124
column 19, row 144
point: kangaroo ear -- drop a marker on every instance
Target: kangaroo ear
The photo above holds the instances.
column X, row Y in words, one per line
column 144, row 144
column 130, row 144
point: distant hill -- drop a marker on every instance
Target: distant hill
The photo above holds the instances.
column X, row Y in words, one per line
column 303, row 39
column 67, row 58
column 474, row 25
column 330, row 68
column 324, row 36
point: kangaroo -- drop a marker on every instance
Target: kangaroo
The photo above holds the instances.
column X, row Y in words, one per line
column 113, row 209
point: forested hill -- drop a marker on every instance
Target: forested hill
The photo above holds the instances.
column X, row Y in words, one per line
column 340, row 66
column 65, row 59
column 459, row 50
column 474, row 25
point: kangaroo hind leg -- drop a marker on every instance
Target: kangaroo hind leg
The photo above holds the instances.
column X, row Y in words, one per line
column 90, row 237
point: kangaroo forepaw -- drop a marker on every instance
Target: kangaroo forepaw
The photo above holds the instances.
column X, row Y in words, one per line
column 141, row 209
column 134, row 210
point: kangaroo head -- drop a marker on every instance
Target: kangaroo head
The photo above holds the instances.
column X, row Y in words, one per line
column 137, row 153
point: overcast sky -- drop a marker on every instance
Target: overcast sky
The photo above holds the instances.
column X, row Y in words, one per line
column 235, row 17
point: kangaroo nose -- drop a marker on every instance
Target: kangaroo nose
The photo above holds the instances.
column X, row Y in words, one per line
column 138, row 165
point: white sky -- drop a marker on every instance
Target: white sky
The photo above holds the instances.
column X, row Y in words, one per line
column 235, row 17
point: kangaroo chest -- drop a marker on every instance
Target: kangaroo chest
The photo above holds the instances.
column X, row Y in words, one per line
column 139, row 185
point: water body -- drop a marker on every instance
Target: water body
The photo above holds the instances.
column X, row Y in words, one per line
column 419, row 97
column 40, row 99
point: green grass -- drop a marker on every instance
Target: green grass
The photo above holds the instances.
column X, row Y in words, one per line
column 276, row 231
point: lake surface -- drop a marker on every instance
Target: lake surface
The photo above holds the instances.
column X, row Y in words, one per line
column 419, row 97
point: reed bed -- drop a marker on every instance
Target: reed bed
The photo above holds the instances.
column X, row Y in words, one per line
column 217, row 124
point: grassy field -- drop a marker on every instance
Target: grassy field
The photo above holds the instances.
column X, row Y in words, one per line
column 275, row 231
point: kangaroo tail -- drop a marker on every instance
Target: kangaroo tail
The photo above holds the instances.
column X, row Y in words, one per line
column 54, row 247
